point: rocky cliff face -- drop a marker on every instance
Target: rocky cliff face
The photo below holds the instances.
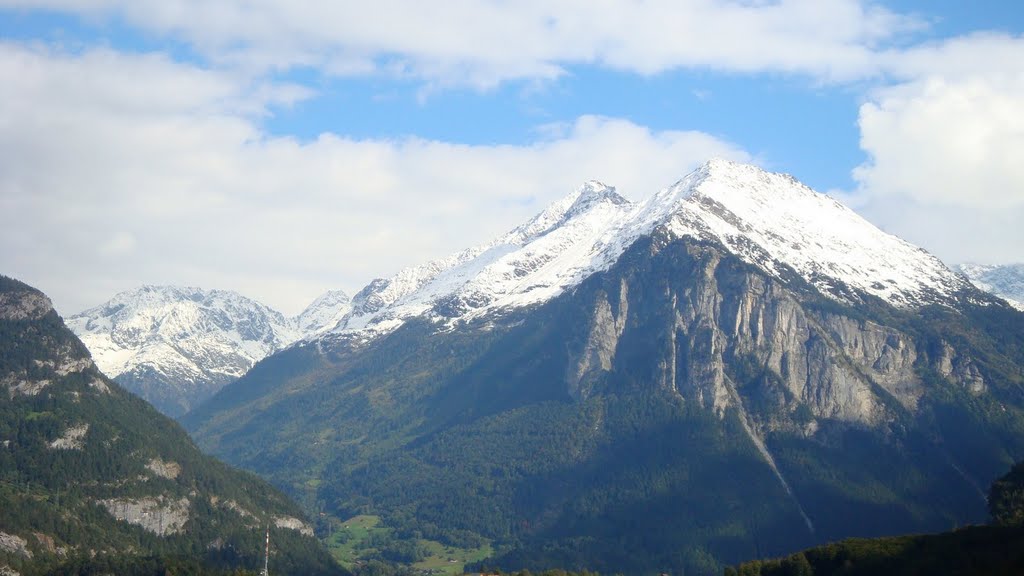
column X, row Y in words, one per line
column 723, row 323
column 24, row 306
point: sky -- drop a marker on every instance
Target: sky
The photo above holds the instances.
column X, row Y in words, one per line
column 284, row 148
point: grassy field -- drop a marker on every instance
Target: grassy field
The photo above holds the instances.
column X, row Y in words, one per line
column 346, row 543
column 345, row 540
column 450, row 560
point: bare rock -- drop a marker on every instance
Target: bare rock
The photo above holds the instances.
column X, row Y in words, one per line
column 960, row 369
column 293, row 523
column 14, row 544
column 161, row 516
column 73, row 438
column 24, row 305
column 169, row 470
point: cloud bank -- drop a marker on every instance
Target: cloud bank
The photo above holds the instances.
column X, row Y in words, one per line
column 115, row 189
column 944, row 149
column 482, row 43
column 119, row 167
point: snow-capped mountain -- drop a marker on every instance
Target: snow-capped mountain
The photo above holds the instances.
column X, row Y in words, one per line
column 323, row 313
column 532, row 263
column 731, row 337
column 1005, row 281
column 176, row 346
column 769, row 220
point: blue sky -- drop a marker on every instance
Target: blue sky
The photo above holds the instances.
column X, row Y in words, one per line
column 283, row 149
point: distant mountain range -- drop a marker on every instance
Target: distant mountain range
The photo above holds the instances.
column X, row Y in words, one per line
column 176, row 346
column 733, row 368
column 1005, row 281
column 94, row 481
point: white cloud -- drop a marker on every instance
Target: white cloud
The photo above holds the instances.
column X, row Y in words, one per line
column 123, row 168
column 944, row 149
column 114, row 190
column 119, row 245
column 485, row 42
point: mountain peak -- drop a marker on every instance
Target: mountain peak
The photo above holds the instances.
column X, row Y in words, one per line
column 594, row 187
column 176, row 345
column 742, row 179
column 719, row 165
column 769, row 220
column 323, row 313
column 773, row 220
column 591, row 194
column 723, row 169
column 529, row 264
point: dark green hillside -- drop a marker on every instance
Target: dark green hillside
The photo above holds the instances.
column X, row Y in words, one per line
column 94, row 480
column 971, row 551
column 632, row 424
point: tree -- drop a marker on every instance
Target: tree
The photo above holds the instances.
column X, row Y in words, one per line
column 1006, row 498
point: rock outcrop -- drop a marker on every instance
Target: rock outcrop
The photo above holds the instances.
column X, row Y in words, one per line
column 161, row 516
column 727, row 323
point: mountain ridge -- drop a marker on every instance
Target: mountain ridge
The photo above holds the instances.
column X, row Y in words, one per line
column 770, row 220
column 586, row 231
column 701, row 389
column 1003, row 280
column 175, row 346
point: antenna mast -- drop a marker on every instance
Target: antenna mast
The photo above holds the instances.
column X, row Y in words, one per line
column 266, row 556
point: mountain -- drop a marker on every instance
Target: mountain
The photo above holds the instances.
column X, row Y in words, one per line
column 1005, row 281
column 94, row 480
column 768, row 220
column 176, row 346
column 736, row 367
column 323, row 314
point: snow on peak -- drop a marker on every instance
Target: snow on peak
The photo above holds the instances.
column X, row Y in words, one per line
column 1003, row 280
column 529, row 264
column 175, row 346
column 767, row 219
column 197, row 331
column 771, row 219
column 323, row 313
column 590, row 195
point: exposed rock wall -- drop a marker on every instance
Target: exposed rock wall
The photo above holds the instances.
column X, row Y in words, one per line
column 160, row 516
column 597, row 354
column 169, row 470
column 960, row 368
column 72, row 439
column 14, row 544
column 722, row 320
column 292, row 523
column 24, row 305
